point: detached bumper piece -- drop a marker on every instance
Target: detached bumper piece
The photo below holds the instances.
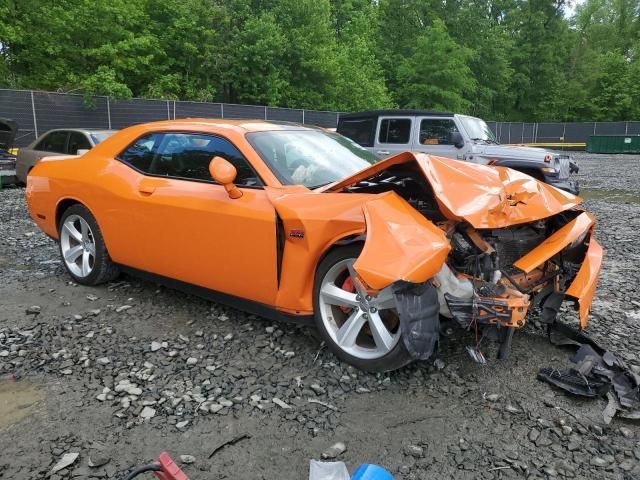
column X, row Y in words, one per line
column 574, row 382
column 594, row 372
column 507, row 312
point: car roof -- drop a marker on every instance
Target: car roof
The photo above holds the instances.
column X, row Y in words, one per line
column 240, row 126
column 396, row 112
column 82, row 130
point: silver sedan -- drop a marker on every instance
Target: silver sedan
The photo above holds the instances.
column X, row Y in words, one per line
column 69, row 141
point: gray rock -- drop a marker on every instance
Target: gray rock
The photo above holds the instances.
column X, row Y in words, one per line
column 598, row 462
column 147, row 413
column 415, row 451
column 97, row 460
column 187, row 459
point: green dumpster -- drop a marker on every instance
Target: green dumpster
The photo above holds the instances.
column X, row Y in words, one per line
column 613, row 144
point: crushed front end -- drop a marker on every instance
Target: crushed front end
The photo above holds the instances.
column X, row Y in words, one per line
column 499, row 276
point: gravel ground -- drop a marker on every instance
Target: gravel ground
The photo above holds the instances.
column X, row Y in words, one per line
column 118, row 373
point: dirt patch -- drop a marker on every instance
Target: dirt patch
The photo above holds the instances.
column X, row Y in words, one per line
column 18, row 399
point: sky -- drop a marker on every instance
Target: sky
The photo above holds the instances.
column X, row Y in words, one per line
column 570, row 8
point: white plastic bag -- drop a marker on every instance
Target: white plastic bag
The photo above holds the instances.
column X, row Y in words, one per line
column 328, row 471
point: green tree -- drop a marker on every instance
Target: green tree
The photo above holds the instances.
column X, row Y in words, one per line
column 436, row 75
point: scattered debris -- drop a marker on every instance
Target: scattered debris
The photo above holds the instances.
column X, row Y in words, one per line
column 593, row 372
column 66, row 460
column 232, row 441
column 334, row 451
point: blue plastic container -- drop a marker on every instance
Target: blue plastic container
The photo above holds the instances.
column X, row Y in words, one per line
column 368, row 471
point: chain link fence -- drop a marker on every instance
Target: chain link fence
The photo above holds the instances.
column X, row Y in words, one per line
column 559, row 132
column 36, row 112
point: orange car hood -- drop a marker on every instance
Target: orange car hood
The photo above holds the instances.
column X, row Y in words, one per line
column 484, row 196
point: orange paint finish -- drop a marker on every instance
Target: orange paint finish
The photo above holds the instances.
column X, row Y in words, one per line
column 324, row 221
column 265, row 244
column 401, row 244
column 583, row 287
column 556, row 242
column 484, row 196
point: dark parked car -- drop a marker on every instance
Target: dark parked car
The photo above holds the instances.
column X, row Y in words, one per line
column 8, row 130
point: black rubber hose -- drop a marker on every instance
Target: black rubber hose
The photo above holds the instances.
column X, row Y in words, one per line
column 152, row 467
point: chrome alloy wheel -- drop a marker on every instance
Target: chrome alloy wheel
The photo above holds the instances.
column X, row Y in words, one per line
column 363, row 326
column 78, row 246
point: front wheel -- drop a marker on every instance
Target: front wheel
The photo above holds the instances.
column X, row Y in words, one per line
column 361, row 330
column 82, row 247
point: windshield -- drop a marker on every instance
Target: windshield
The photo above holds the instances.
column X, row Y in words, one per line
column 477, row 129
column 310, row 157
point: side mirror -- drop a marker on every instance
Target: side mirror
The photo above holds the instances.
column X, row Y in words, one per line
column 224, row 173
column 457, row 140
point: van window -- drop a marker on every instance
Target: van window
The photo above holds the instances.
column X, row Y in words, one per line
column 360, row 131
column 395, row 130
column 436, row 131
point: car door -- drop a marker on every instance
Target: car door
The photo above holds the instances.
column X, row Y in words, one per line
column 393, row 135
column 177, row 222
column 434, row 136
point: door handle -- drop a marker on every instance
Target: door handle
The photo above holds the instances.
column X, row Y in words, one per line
column 383, row 152
column 146, row 189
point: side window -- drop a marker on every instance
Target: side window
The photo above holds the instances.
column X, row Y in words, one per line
column 78, row 141
column 437, row 131
column 360, row 131
column 187, row 156
column 395, row 130
column 54, row 142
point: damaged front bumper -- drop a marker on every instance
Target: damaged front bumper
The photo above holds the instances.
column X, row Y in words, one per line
column 553, row 267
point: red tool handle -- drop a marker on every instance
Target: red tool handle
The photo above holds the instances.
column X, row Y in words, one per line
column 169, row 469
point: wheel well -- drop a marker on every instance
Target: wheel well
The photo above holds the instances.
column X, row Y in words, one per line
column 340, row 243
column 62, row 207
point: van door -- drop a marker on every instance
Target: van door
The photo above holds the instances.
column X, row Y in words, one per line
column 433, row 136
column 393, row 135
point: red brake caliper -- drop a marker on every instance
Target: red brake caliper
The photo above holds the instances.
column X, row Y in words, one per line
column 349, row 287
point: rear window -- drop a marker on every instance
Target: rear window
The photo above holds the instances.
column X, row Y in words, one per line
column 395, row 130
column 360, row 131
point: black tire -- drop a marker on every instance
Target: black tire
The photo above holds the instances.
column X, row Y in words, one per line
column 104, row 270
column 394, row 359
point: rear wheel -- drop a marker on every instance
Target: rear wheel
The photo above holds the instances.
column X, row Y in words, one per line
column 82, row 247
column 361, row 330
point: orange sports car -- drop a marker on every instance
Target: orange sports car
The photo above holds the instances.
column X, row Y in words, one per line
column 293, row 222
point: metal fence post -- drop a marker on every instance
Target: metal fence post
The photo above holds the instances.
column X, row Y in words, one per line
column 303, row 116
column 222, row 110
column 109, row 112
column 265, row 112
column 174, row 109
column 626, row 127
column 33, row 110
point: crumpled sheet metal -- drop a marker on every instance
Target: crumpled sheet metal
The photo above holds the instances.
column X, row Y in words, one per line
column 401, row 244
column 484, row 196
column 556, row 242
column 584, row 284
